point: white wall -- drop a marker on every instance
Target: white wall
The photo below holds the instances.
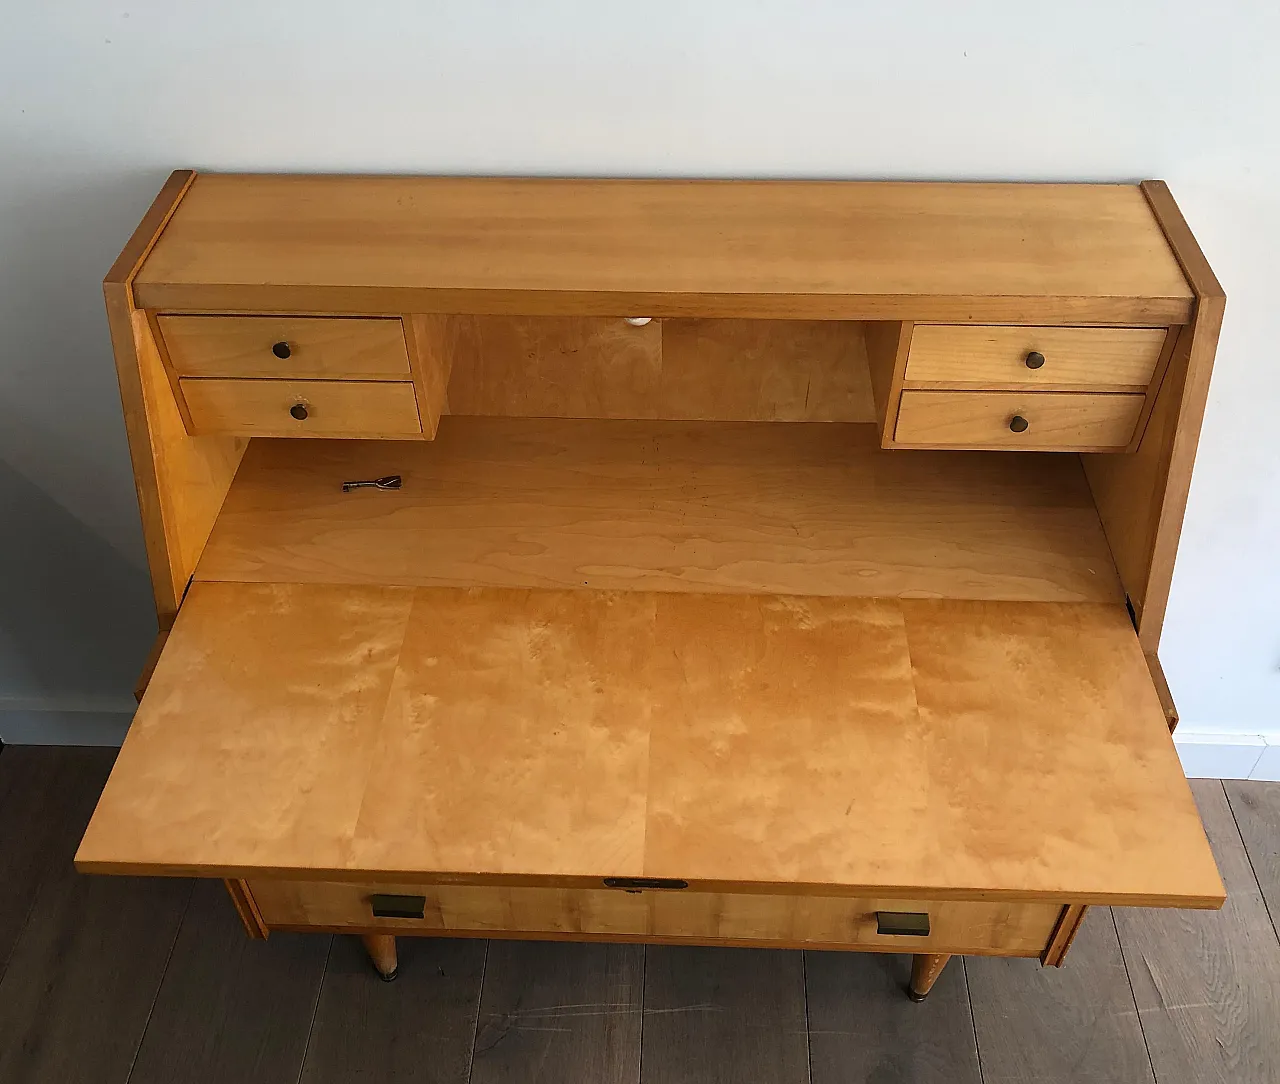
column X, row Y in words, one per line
column 99, row 101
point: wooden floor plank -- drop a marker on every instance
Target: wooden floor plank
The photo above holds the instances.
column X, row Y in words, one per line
column 419, row 1028
column 723, row 1016
column 863, row 1027
column 554, row 1012
column 1256, row 807
column 1207, row 984
column 1059, row 1026
column 86, row 967
column 46, row 796
column 231, row 1009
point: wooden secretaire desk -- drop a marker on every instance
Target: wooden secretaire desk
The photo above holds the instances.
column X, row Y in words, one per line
column 771, row 563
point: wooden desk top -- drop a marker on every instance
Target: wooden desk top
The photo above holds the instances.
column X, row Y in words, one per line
column 1018, row 253
column 918, row 748
column 796, row 508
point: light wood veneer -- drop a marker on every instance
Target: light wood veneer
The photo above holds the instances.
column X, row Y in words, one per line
column 1010, row 929
column 1056, row 421
column 696, row 370
column 321, row 348
column 864, row 747
column 1075, row 358
column 669, row 506
column 333, row 408
column 643, row 634
column 940, row 252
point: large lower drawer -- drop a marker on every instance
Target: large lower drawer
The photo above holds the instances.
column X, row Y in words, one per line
column 1010, row 929
column 1017, row 421
column 319, row 347
column 302, row 408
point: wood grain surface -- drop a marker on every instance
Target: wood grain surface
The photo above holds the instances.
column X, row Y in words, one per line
column 1256, row 808
column 420, row 1028
column 706, row 370
column 1034, row 1025
column 1057, row 421
column 560, row 1013
column 1075, row 358
column 667, row 248
column 1208, row 993
column 669, row 506
column 722, row 1015
column 81, row 967
column 322, row 348
column 732, row 740
column 862, row 1028
column 1019, row 929
column 1142, row 497
column 230, row 1008
column 335, row 408
column 1066, row 1025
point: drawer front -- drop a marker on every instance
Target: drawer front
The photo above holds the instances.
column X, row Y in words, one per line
column 1016, row 929
column 1055, row 421
column 302, row 408
column 330, row 348
column 1065, row 357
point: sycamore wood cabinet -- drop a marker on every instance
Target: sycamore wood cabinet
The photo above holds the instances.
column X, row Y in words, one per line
column 766, row 563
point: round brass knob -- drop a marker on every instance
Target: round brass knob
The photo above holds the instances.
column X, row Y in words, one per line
column 281, row 350
column 1018, row 424
column 1034, row 359
column 299, row 411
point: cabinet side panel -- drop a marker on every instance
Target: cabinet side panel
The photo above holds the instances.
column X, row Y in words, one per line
column 887, row 346
column 246, row 907
column 1142, row 497
column 433, row 342
column 180, row 480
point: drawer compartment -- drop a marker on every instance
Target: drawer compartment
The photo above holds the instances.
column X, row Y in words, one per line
column 302, row 408
column 1025, row 421
column 1062, row 357
column 1015, row 929
column 329, row 348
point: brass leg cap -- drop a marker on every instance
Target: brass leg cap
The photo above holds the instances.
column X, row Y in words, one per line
column 390, row 976
column 914, row 996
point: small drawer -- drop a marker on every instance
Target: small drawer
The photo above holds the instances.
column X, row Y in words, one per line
column 302, row 408
column 1018, row 421
column 1012, row 929
column 1067, row 358
column 327, row 348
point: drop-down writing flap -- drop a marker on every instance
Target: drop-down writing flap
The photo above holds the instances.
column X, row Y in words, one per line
column 920, row 748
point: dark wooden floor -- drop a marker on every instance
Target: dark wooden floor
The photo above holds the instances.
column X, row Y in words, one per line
column 113, row 980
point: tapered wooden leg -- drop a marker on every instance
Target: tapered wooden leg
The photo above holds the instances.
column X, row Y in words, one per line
column 381, row 948
column 925, row 969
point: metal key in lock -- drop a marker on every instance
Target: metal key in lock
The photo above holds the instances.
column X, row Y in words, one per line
column 389, row 481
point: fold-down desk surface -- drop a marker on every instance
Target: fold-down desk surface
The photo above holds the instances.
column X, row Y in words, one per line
column 939, row 749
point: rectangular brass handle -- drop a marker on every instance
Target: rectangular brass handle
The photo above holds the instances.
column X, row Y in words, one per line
column 903, row 923
column 398, row 906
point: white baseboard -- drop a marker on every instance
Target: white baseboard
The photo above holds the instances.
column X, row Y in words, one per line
column 1215, row 755
column 60, row 726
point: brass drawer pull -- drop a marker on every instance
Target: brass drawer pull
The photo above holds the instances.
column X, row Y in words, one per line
column 281, row 350
column 635, row 884
column 299, row 411
column 1018, row 424
column 902, row 923
column 398, row 906
column 1034, row 359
